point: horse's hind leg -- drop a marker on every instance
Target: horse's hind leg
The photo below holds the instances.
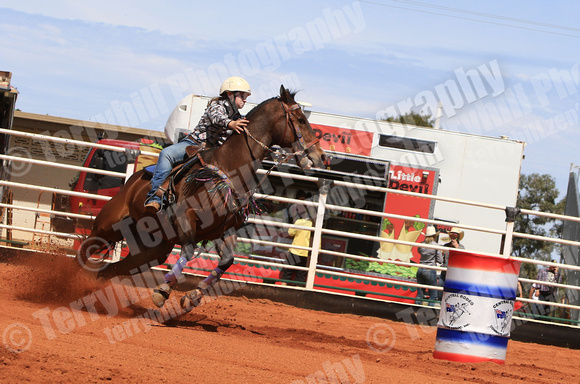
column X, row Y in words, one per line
column 225, row 248
column 91, row 254
column 95, row 249
column 138, row 262
column 103, row 234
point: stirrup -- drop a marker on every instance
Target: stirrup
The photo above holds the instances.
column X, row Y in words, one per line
column 160, row 192
column 191, row 300
column 161, row 294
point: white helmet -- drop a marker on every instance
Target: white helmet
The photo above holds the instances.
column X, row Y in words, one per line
column 235, row 84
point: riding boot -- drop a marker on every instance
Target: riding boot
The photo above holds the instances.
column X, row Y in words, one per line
column 159, row 196
column 156, row 202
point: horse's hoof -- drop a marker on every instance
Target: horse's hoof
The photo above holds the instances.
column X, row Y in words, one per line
column 161, row 294
column 191, row 300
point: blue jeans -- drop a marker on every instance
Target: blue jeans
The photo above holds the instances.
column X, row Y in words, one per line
column 441, row 283
column 168, row 157
column 426, row 277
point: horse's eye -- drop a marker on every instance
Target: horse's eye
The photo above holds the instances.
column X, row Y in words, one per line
column 302, row 121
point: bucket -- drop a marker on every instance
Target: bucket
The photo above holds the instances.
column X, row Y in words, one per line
column 476, row 308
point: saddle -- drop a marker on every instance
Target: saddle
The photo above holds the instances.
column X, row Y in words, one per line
column 180, row 169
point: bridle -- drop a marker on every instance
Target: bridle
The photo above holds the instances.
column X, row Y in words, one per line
column 289, row 124
column 285, row 156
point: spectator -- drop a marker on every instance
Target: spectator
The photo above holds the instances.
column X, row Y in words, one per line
column 455, row 237
column 535, row 295
column 432, row 257
column 547, row 292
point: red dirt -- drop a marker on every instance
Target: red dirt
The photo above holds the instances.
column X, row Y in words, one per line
column 228, row 340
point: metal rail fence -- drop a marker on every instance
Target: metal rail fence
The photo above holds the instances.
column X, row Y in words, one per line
column 322, row 207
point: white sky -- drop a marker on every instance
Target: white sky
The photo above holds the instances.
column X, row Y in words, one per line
column 81, row 61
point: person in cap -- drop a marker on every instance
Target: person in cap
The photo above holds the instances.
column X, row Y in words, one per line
column 455, row 237
column 548, row 293
column 426, row 276
column 220, row 119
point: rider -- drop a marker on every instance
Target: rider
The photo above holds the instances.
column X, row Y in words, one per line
column 217, row 123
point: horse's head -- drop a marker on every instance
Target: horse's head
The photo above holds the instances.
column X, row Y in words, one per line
column 297, row 133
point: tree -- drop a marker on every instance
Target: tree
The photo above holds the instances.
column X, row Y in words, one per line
column 413, row 119
column 537, row 193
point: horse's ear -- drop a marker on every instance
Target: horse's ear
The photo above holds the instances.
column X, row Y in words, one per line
column 285, row 95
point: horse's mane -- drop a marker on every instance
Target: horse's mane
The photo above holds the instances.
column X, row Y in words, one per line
column 259, row 106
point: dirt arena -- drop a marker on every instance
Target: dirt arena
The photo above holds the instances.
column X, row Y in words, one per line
column 60, row 326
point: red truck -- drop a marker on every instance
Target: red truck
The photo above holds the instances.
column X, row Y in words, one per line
column 125, row 162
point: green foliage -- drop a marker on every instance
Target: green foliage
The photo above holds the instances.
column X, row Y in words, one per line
column 383, row 268
column 537, row 193
column 413, row 118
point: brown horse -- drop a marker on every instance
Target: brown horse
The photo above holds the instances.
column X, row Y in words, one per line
column 210, row 201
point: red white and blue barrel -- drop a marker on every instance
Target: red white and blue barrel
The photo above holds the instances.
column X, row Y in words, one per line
column 476, row 309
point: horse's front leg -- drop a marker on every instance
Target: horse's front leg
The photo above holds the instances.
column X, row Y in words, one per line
column 187, row 240
column 162, row 291
column 225, row 248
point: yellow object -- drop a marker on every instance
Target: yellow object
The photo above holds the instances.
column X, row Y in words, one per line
column 387, row 247
column 410, row 236
column 146, row 160
column 301, row 237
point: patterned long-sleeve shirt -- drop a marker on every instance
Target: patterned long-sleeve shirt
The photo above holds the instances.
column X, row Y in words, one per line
column 212, row 128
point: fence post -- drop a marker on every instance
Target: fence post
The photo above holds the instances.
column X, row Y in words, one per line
column 511, row 213
column 317, row 237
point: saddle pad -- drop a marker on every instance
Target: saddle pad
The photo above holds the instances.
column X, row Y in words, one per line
column 149, row 169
